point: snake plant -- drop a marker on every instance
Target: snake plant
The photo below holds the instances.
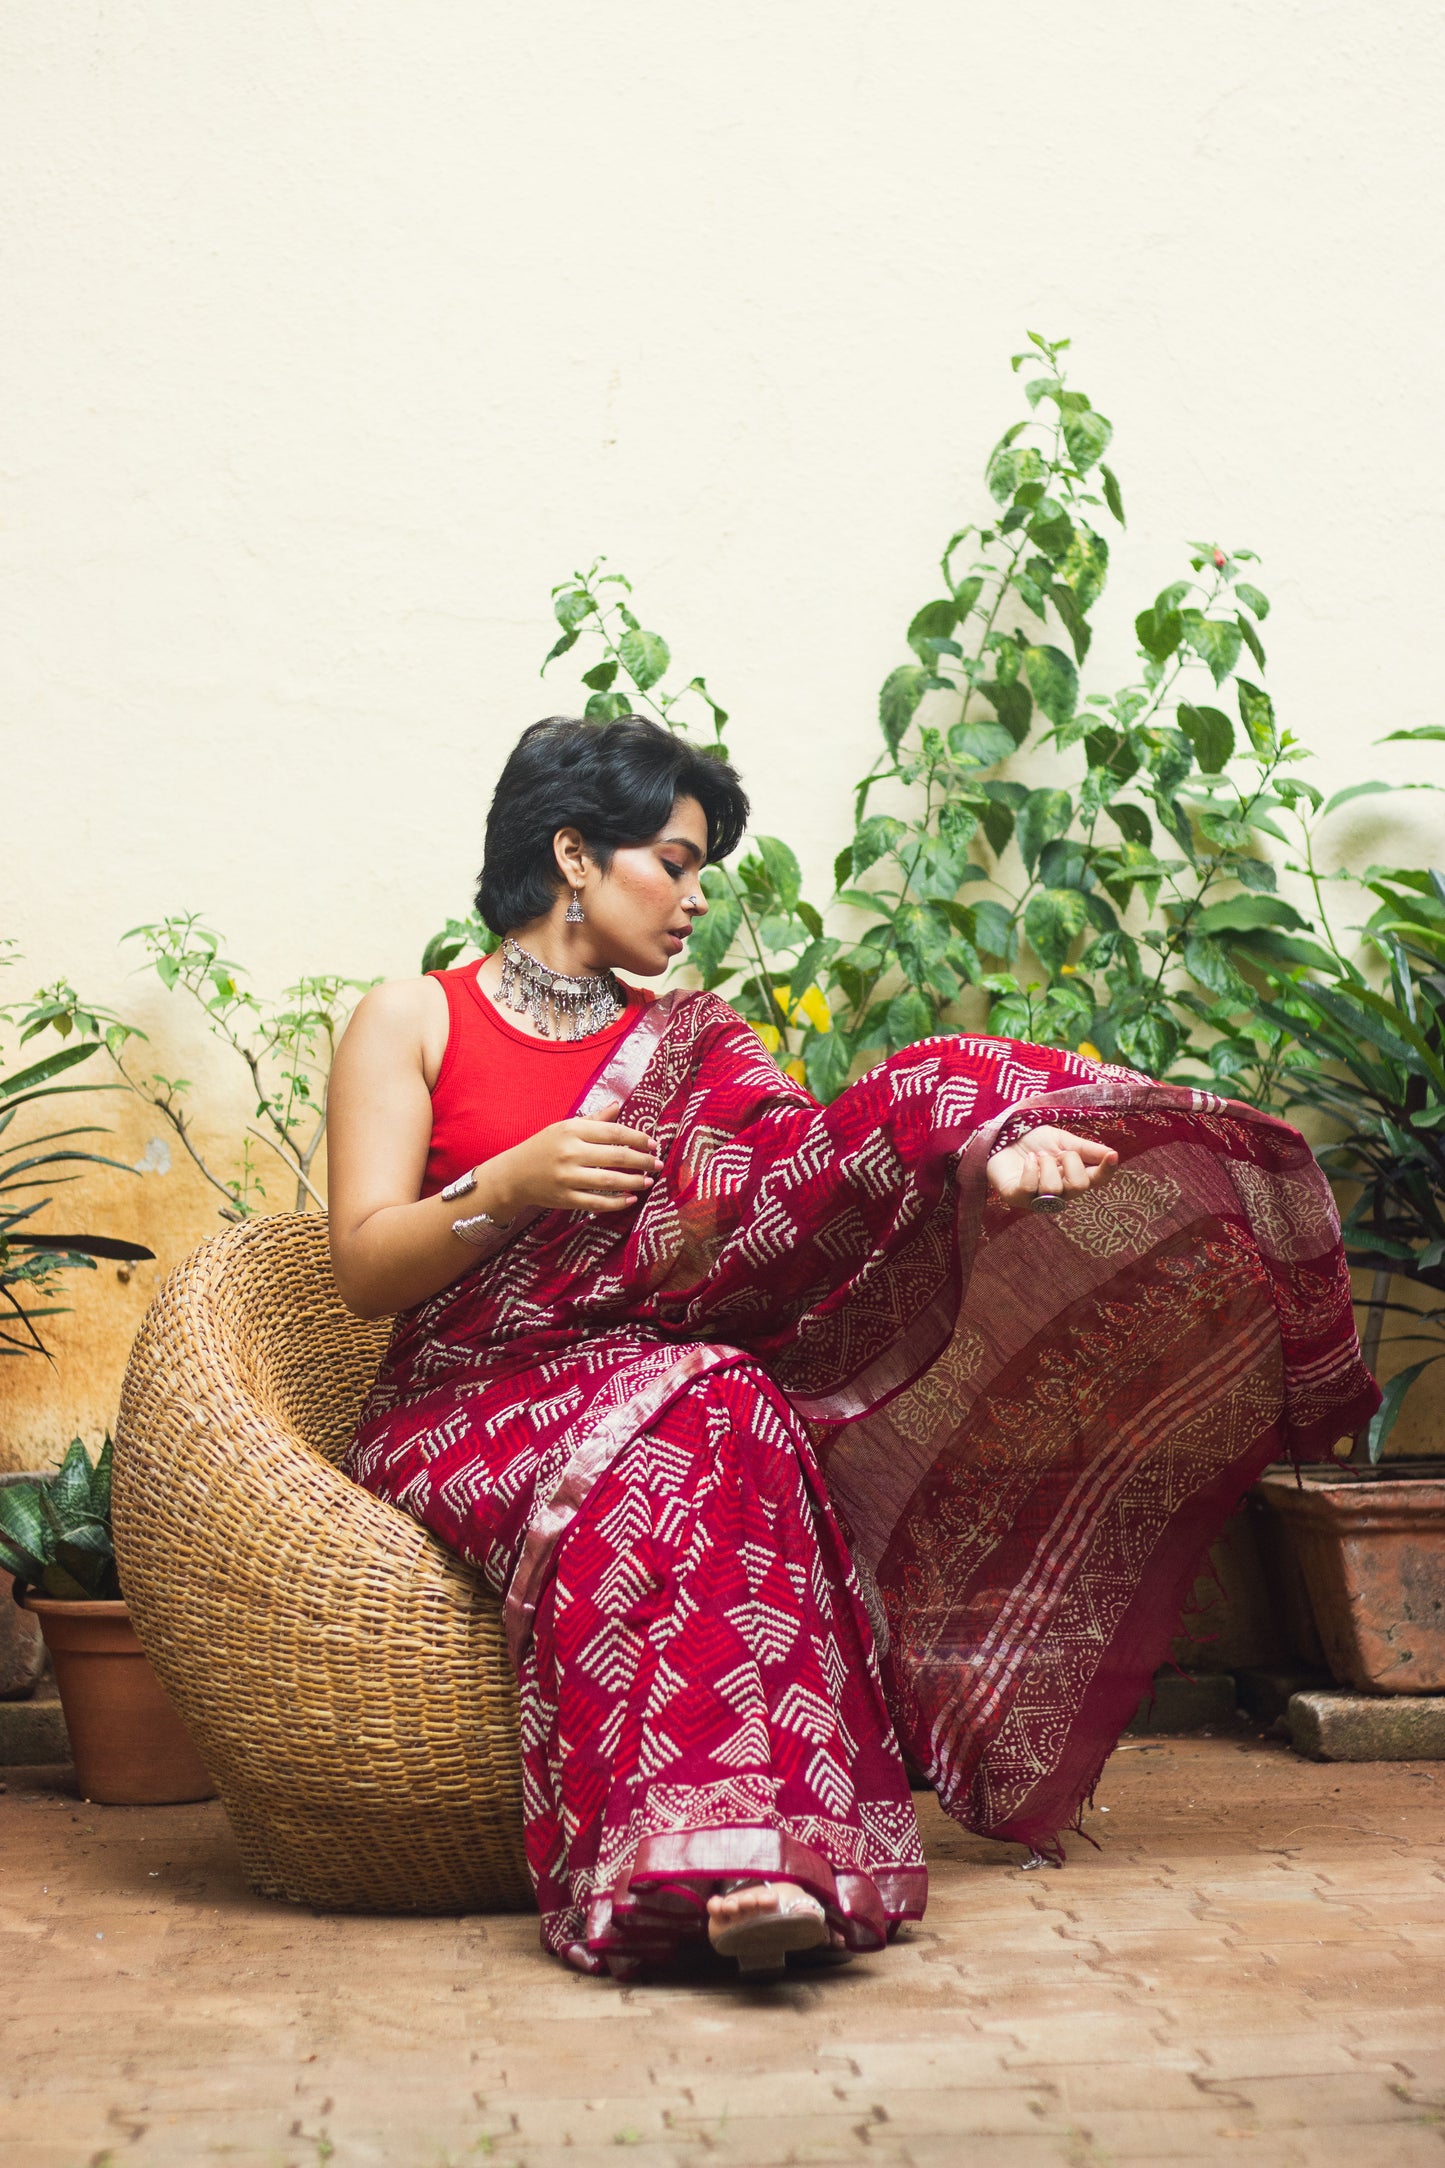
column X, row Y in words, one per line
column 55, row 1530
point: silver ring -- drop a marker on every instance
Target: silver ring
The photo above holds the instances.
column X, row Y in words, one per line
column 1047, row 1200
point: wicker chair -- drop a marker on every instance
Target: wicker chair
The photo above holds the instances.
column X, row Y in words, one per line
column 345, row 1679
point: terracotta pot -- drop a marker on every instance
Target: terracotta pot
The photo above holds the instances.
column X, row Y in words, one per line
column 129, row 1746
column 1371, row 1546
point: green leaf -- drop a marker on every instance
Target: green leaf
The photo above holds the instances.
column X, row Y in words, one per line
column 1113, row 495
column 935, row 621
column 1053, row 681
column 16, row 1560
column 559, row 647
column 993, row 929
column 1132, row 823
column 1159, row 632
column 1085, row 565
column 100, row 1480
column 1215, row 640
column 1211, row 734
column 1364, row 1015
column 1251, row 640
column 712, row 937
column 1008, row 469
column 875, row 838
column 1256, row 712
column 1208, row 962
column 1053, row 921
column 1013, row 704
column 983, row 744
column 571, row 606
column 41, row 1072
column 1290, row 949
column 645, row 657
column 69, row 1488
column 22, row 1520
column 903, row 688
column 910, row 1018
column 600, row 676
column 1382, row 1422
column 1370, row 790
column 783, row 869
column 1252, row 599
column 1072, row 618
column 1087, row 436
column 1422, row 730
column 966, row 593
column 826, row 1062
column 1148, row 1042
column 55, row 1581
column 1050, row 528
column 1242, row 912
column 1044, row 814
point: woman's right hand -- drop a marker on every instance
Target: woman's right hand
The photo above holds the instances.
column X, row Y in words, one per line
column 580, row 1165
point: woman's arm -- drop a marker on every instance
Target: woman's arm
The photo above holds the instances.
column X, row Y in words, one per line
column 391, row 1247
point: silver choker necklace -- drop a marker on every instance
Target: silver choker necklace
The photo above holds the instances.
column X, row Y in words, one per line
column 559, row 1006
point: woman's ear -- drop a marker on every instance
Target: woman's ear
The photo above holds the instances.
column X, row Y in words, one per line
column 571, row 855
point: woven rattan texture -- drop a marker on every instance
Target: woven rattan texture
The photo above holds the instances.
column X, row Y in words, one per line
column 345, row 1679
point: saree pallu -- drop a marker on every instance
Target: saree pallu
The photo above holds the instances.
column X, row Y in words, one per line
column 821, row 1449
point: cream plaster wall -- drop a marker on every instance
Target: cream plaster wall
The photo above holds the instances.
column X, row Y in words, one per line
column 335, row 334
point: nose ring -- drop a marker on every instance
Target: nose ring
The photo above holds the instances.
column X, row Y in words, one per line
column 692, row 903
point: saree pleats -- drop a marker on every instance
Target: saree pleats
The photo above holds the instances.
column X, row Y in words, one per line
column 1028, row 1429
column 700, row 1699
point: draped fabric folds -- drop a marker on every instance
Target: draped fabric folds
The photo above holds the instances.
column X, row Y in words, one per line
column 821, row 1437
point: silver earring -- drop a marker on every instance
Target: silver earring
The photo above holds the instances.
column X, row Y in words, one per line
column 575, row 912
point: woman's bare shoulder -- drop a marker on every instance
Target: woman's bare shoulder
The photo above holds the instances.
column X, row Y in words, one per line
column 400, row 1013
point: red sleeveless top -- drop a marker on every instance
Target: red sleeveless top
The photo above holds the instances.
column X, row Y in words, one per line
column 497, row 1085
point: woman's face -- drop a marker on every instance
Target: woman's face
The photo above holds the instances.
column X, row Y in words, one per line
column 639, row 912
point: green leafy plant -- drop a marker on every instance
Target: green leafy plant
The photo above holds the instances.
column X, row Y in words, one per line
column 1099, row 908
column 55, row 1532
column 33, row 1259
column 1377, row 1076
column 286, row 1047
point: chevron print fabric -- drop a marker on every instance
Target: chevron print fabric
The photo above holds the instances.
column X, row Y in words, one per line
column 822, row 1449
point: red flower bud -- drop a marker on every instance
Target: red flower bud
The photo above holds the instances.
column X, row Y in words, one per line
column 1219, row 559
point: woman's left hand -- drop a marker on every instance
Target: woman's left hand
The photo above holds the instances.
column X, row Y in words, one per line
column 1048, row 1162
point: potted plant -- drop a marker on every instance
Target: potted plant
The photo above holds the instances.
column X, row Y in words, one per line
column 1370, row 1537
column 129, row 1745
column 31, row 1262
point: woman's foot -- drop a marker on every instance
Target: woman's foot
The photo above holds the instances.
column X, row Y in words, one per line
column 758, row 1923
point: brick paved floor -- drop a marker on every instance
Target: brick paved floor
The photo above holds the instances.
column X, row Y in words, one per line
column 1249, row 1969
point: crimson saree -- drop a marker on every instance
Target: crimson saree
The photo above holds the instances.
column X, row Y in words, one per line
column 821, row 1450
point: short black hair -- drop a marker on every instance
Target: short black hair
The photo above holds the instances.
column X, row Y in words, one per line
column 616, row 782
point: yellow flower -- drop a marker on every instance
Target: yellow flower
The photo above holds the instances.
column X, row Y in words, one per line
column 770, row 1035
column 815, row 1007
column 1088, row 1049
column 811, row 1007
column 795, row 1070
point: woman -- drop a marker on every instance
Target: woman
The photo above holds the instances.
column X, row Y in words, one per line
column 789, row 1433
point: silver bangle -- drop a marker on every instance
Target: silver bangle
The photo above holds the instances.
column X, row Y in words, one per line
column 461, row 1187
column 476, row 1229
